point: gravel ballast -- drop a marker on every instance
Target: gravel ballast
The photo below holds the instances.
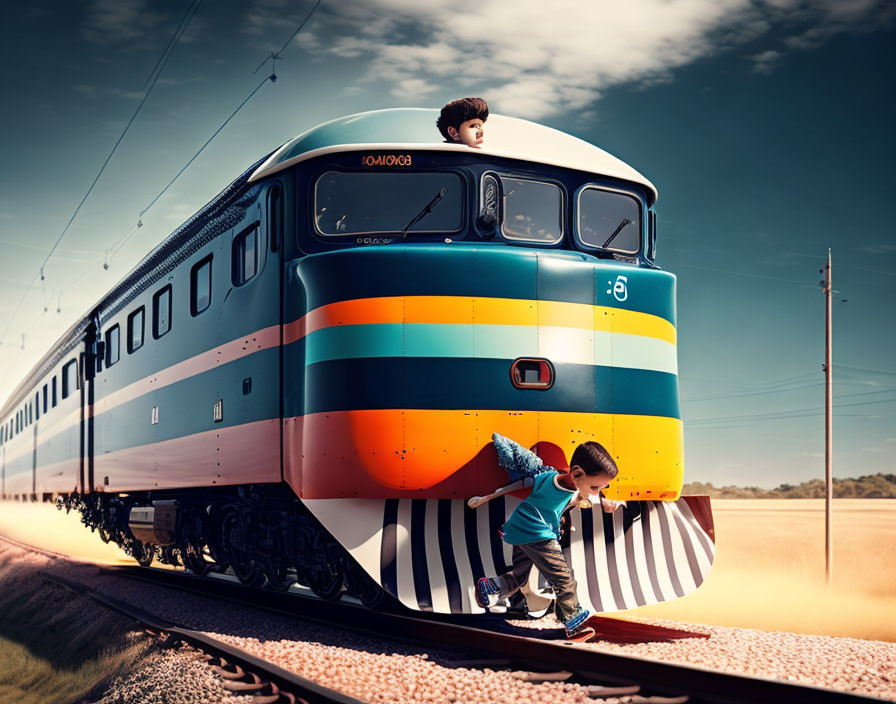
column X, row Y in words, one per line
column 380, row 670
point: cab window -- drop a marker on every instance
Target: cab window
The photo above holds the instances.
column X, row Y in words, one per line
column 348, row 203
column 532, row 210
column 608, row 220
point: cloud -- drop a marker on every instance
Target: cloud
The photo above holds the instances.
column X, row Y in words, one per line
column 85, row 90
column 179, row 211
column 124, row 22
column 765, row 61
column 537, row 60
column 879, row 248
column 126, row 94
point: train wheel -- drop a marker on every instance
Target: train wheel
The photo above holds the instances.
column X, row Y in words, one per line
column 240, row 549
column 277, row 573
column 143, row 554
column 193, row 533
column 326, row 581
column 372, row 595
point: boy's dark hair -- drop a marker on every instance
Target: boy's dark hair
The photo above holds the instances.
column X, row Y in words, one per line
column 593, row 458
column 455, row 113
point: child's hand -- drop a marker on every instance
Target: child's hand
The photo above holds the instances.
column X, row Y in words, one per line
column 610, row 506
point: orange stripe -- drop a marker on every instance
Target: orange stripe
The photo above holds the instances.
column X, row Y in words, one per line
column 448, row 453
column 465, row 310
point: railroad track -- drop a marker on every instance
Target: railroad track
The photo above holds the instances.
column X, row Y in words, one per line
column 606, row 674
column 241, row 672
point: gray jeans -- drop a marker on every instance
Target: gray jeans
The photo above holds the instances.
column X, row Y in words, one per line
column 547, row 557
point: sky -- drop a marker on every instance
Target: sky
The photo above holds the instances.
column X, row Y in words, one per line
column 766, row 126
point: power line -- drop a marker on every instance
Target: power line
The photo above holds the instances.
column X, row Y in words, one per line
column 181, row 28
column 161, row 66
column 780, row 415
column 174, row 37
column 299, row 29
column 271, row 78
column 118, row 246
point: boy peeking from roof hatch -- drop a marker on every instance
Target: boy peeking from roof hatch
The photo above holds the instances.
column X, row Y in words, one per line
column 463, row 121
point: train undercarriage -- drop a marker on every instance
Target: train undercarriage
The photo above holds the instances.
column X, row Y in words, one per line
column 263, row 535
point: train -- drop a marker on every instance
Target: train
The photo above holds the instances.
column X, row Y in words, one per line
column 300, row 384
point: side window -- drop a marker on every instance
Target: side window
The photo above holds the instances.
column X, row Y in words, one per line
column 135, row 330
column 201, row 286
column 275, row 218
column 244, row 259
column 54, row 391
column 161, row 312
column 113, row 348
column 45, row 398
column 37, row 406
column 30, row 414
column 69, row 378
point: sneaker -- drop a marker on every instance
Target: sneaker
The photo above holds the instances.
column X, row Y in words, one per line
column 581, row 634
column 487, row 592
column 576, row 623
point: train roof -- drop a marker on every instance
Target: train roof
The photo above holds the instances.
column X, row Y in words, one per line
column 415, row 128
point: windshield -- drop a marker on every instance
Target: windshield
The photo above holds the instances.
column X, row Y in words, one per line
column 609, row 220
column 347, row 203
column 533, row 210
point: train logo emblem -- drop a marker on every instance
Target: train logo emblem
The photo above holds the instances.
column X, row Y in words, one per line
column 619, row 289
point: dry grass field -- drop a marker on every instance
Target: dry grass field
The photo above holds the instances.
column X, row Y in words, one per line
column 769, row 569
column 768, row 572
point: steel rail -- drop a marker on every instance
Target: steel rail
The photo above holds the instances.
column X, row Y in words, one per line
column 286, row 682
column 46, row 553
column 667, row 679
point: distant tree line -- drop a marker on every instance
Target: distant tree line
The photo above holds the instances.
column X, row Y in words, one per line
column 872, row 486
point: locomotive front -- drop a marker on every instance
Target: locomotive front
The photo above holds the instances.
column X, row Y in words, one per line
column 444, row 294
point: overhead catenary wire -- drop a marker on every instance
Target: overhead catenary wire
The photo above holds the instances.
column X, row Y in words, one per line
column 163, row 61
column 272, row 78
column 181, row 28
column 154, row 76
column 178, row 33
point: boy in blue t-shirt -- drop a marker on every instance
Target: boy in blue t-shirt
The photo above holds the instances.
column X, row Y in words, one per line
column 534, row 527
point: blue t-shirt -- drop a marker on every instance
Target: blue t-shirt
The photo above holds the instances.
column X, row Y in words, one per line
column 538, row 517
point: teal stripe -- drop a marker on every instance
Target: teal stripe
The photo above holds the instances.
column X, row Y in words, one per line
column 567, row 345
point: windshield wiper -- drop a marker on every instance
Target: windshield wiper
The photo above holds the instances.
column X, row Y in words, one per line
column 426, row 211
column 625, row 223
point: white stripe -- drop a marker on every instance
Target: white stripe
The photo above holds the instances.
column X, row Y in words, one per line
column 483, row 538
column 628, row 594
column 462, row 559
column 692, row 527
column 559, row 344
column 641, row 559
column 437, row 588
column 572, row 345
column 659, row 552
column 577, row 559
column 510, row 504
column 403, row 556
column 638, row 352
column 683, row 567
column 601, row 566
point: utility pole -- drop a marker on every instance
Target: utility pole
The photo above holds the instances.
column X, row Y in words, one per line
column 828, row 432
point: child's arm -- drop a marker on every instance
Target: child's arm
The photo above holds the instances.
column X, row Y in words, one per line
column 477, row 501
column 516, row 460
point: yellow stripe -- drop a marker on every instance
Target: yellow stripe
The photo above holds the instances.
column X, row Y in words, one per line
column 486, row 311
column 416, row 449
